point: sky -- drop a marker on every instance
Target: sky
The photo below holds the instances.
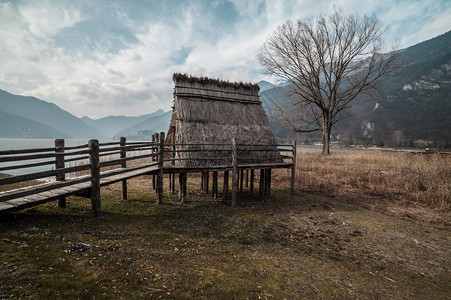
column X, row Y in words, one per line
column 103, row 57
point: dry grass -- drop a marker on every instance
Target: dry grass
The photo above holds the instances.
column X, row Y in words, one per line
column 379, row 179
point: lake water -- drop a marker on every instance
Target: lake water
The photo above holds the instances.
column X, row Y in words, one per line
column 18, row 144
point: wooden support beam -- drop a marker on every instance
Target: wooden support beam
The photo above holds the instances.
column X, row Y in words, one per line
column 59, row 164
column 160, row 171
column 268, row 185
column 122, row 142
column 251, row 188
column 173, row 184
column 215, row 185
column 182, row 187
column 225, row 188
column 262, row 183
column 234, row 171
column 247, row 178
column 293, row 174
column 95, row 176
column 207, row 179
column 241, row 179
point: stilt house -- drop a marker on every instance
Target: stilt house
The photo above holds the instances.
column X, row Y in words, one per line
column 208, row 113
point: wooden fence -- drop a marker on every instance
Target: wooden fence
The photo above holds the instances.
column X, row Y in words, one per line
column 83, row 169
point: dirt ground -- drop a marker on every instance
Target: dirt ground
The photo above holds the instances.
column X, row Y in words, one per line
column 322, row 247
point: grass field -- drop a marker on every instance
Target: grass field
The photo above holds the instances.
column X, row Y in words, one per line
column 336, row 241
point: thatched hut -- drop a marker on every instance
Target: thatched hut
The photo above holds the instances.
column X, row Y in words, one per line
column 209, row 111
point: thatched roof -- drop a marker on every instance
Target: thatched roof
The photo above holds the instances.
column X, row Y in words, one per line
column 210, row 111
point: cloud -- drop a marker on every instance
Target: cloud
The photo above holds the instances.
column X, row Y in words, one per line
column 111, row 57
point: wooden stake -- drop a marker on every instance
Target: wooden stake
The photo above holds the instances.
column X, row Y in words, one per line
column 122, row 142
column 293, row 174
column 59, row 164
column 95, row 176
column 160, row 171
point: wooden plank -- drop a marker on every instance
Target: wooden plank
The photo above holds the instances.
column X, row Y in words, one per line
column 24, row 166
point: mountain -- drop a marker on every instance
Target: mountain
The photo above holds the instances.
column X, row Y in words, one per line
column 48, row 114
column 13, row 126
column 265, row 85
column 151, row 125
column 416, row 101
column 111, row 125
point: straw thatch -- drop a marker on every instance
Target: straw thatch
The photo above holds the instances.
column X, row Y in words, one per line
column 209, row 111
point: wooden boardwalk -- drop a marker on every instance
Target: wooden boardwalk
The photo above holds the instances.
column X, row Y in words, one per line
column 84, row 169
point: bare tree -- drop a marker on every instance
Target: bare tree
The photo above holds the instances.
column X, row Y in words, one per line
column 328, row 60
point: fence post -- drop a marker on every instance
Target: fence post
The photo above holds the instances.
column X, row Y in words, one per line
column 59, row 164
column 293, row 173
column 234, row 170
column 122, row 143
column 160, row 170
column 153, row 159
column 95, row 176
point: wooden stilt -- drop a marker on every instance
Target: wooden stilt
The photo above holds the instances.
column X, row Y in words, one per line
column 241, row 182
column 207, row 179
column 160, row 171
column 252, row 182
column 262, row 183
column 247, row 178
column 214, row 188
column 268, row 185
column 225, row 189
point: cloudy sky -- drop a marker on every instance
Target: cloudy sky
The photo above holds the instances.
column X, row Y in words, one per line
column 101, row 58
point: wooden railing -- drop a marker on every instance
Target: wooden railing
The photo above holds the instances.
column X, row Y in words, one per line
column 83, row 169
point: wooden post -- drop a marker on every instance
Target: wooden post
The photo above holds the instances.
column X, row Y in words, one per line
column 59, row 164
column 268, row 185
column 207, row 179
column 160, row 170
column 252, row 182
column 182, row 188
column 170, row 182
column 153, row 159
column 225, row 189
column 122, row 143
column 215, row 185
column 173, row 184
column 234, row 170
column 95, row 176
column 293, row 174
column 247, row 178
column 262, row 183
column 241, row 180
column 202, row 176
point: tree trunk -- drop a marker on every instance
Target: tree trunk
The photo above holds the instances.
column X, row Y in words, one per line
column 326, row 134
